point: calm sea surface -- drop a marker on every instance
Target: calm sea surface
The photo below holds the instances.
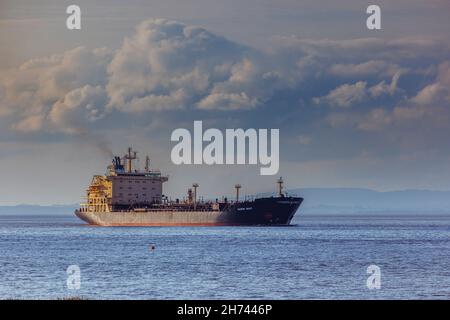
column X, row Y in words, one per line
column 320, row 257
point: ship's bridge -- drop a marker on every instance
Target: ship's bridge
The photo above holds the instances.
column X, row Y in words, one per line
column 122, row 188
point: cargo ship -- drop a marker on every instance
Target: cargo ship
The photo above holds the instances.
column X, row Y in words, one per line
column 125, row 196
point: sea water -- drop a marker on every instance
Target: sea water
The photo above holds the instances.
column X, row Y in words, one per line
column 319, row 257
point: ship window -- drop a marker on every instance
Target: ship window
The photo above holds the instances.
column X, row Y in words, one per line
column 153, row 188
column 144, row 188
column 144, row 195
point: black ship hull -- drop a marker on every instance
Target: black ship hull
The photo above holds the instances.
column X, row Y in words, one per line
column 262, row 211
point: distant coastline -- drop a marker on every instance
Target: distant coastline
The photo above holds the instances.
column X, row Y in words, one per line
column 318, row 201
column 26, row 209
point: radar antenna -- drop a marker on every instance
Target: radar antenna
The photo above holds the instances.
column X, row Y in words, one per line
column 130, row 156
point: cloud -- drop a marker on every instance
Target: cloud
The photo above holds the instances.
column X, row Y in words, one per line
column 78, row 108
column 347, row 95
column 437, row 92
column 383, row 88
column 228, row 101
column 168, row 65
column 363, row 51
column 365, row 69
column 430, row 94
column 429, row 108
column 416, row 118
column 164, row 65
column 30, row 123
column 31, row 92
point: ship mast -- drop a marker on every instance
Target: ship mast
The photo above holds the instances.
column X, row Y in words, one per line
column 130, row 157
column 147, row 164
column 195, row 186
column 237, row 186
column 280, row 186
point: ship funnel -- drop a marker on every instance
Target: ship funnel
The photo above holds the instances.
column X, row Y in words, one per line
column 117, row 164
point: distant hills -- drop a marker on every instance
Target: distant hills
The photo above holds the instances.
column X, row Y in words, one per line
column 354, row 200
column 319, row 201
column 38, row 210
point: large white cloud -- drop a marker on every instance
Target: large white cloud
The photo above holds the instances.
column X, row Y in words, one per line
column 167, row 65
column 32, row 91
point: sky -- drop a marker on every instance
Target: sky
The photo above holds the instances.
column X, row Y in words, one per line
column 355, row 107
